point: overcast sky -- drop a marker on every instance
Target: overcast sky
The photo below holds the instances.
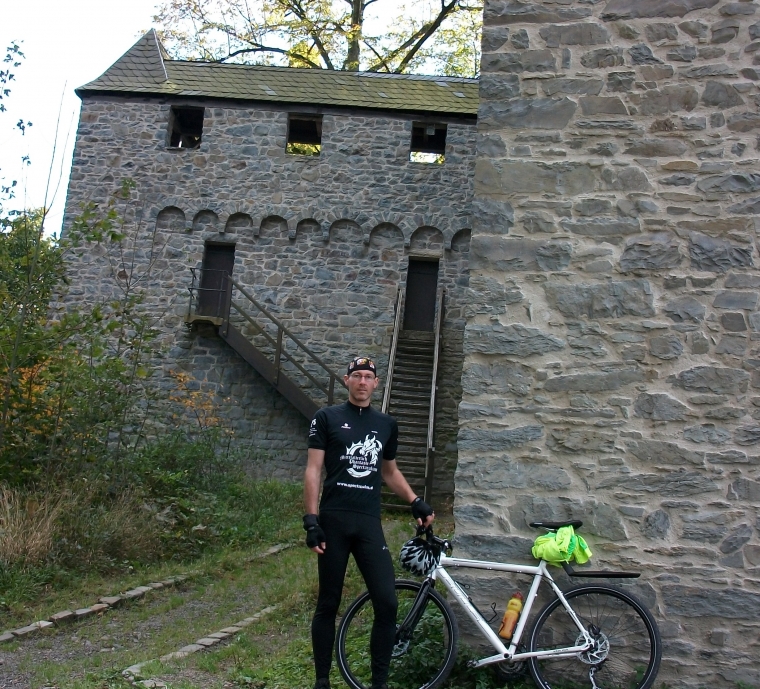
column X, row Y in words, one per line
column 67, row 43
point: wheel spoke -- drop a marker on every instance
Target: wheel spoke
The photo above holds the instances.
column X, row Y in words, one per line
column 421, row 660
column 626, row 653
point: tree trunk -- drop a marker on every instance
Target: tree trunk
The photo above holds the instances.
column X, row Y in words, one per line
column 354, row 36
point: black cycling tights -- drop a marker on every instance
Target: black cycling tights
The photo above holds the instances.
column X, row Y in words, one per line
column 362, row 536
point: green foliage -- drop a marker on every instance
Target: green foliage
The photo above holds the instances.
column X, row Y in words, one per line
column 20, row 242
column 398, row 37
column 303, row 149
column 73, row 377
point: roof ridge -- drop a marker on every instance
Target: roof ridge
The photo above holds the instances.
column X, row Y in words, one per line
column 340, row 72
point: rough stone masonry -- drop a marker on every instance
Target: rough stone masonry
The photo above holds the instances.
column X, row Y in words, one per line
column 612, row 345
column 323, row 242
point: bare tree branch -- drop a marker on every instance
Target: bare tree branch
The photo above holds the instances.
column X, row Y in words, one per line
column 446, row 10
column 269, row 49
column 381, row 59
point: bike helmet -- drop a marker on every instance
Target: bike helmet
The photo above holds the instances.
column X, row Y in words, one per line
column 419, row 556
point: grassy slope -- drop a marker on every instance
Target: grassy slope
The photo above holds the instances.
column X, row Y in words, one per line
column 274, row 653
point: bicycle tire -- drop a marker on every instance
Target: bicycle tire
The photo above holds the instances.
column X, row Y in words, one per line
column 424, row 663
column 629, row 649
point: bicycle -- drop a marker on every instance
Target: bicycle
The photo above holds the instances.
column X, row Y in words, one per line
column 592, row 636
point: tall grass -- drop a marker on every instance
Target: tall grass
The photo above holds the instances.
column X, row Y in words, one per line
column 27, row 526
column 173, row 500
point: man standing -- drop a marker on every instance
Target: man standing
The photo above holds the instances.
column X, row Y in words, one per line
column 357, row 446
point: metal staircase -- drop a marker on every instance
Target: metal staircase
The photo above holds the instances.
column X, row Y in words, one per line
column 285, row 362
column 300, row 375
column 410, row 397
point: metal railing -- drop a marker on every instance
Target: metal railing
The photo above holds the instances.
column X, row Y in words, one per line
column 208, row 292
column 430, row 454
column 394, row 345
column 217, row 303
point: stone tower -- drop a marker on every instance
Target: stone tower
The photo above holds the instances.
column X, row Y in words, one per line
column 319, row 188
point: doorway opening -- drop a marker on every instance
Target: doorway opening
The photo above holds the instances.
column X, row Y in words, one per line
column 218, row 262
column 421, row 289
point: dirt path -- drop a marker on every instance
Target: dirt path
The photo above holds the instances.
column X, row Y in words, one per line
column 141, row 630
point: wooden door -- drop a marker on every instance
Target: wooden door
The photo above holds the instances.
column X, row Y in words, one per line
column 218, row 261
column 421, row 288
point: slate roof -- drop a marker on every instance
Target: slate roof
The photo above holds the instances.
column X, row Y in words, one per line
column 146, row 69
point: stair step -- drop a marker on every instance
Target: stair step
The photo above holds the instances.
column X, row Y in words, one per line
column 412, row 407
column 405, row 368
column 422, row 350
column 414, row 355
column 411, row 390
column 413, row 385
column 416, row 336
column 405, row 397
column 417, row 418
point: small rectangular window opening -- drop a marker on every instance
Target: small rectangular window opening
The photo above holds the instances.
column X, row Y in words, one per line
column 304, row 135
column 186, row 127
column 428, row 143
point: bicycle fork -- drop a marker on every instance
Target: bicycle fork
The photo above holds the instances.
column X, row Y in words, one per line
column 406, row 628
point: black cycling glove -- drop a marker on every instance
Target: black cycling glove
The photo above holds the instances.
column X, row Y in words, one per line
column 314, row 534
column 420, row 509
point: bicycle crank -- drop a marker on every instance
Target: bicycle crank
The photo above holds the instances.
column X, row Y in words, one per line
column 401, row 646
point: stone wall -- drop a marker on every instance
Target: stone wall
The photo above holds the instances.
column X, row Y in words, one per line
column 612, row 346
column 322, row 242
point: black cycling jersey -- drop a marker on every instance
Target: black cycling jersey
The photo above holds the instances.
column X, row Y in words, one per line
column 355, row 441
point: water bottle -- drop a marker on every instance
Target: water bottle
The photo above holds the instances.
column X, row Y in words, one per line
column 511, row 615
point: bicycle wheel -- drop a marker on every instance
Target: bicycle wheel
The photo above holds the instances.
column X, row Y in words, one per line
column 627, row 651
column 422, row 662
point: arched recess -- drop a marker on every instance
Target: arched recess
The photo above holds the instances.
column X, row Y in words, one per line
column 426, row 239
column 171, row 219
column 345, row 231
column 309, row 229
column 206, row 221
column 274, row 227
column 460, row 242
column 239, row 222
column 386, row 236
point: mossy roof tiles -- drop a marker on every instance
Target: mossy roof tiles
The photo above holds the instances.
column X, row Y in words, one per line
column 145, row 69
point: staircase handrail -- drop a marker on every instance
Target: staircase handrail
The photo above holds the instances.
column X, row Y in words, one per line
column 281, row 329
column 430, row 453
column 394, row 346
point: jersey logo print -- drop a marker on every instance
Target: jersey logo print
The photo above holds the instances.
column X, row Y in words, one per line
column 345, row 427
column 363, row 456
column 313, row 428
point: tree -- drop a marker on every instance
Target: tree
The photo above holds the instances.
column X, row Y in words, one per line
column 11, row 61
column 441, row 36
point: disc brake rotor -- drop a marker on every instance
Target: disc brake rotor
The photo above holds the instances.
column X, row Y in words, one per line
column 598, row 652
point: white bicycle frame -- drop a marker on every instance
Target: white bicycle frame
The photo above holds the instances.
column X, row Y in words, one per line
column 539, row 572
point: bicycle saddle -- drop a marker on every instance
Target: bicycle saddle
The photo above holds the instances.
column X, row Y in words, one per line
column 553, row 526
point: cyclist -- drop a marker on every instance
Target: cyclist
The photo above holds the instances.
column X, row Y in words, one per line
column 357, row 447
